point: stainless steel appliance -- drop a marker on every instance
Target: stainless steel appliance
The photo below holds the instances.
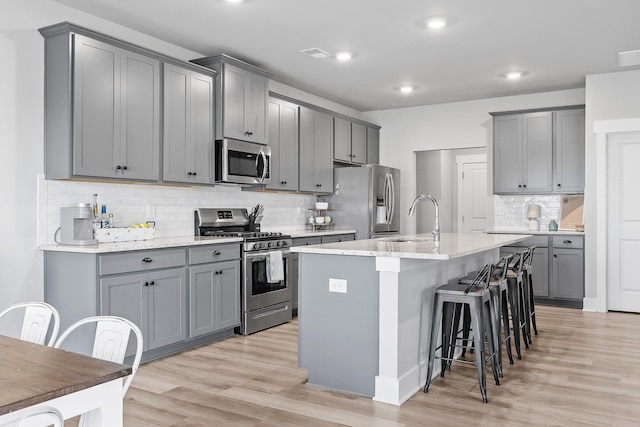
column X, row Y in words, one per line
column 265, row 303
column 76, row 225
column 241, row 162
column 367, row 198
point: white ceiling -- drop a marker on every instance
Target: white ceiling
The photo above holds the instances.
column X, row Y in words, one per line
column 558, row 42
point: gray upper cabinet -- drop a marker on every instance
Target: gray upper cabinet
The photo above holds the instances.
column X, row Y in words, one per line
column 568, row 153
column 283, row 140
column 350, row 141
column 316, row 144
column 241, row 112
column 102, row 109
column 523, row 153
column 188, row 125
column 373, row 145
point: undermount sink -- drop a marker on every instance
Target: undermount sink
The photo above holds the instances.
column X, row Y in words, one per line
column 408, row 239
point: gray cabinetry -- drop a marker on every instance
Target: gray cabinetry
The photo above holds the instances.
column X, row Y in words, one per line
column 539, row 152
column 283, row 139
column 558, row 268
column 568, row 176
column 241, row 112
column 188, row 125
column 523, row 153
column 373, row 145
column 102, row 104
column 350, row 141
column 214, row 288
column 316, row 146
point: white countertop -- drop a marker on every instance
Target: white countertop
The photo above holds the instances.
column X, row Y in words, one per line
column 157, row 243
column 538, row 233
column 451, row 245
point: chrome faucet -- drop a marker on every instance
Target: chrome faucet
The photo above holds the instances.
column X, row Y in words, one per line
column 436, row 224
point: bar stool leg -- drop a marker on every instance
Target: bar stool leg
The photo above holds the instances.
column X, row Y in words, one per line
column 515, row 319
column 505, row 324
column 447, row 348
column 454, row 336
column 532, row 307
column 523, row 311
column 492, row 329
column 435, row 326
column 495, row 306
column 477, row 325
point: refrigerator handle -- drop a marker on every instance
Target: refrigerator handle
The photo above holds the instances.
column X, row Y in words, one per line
column 386, row 198
column 392, row 197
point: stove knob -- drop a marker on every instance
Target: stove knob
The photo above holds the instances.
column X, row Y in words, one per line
column 259, row 246
column 284, row 243
column 278, row 243
column 269, row 244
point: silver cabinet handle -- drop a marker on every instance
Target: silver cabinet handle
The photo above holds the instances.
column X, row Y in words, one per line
column 147, row 259
column 216, row 252
column 567, row 242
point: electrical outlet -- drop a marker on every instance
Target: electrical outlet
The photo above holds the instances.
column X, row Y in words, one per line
column 338, row 285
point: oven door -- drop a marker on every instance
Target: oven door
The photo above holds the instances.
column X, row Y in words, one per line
column 242, row 162
column 257, row 291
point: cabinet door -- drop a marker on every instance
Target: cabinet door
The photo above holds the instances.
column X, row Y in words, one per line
column 373, row 146
column 537, row 146
column 125, row 296
column 307, row 150
column 283, row 140
column 166, row 307
column 569, row 151
column 188, row 125
column 139, row 117
column 256, row 94
column 293, row 281
column 507, row 154
column 244, row 114
column 338, row 238
column 233, row 97
column 342, row 140
column 567, row 278
column 540, row 266
column 214, row 297
column 323, row 153
column 96, row 108
column 358, row 143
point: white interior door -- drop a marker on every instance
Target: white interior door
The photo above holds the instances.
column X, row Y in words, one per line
column 472, row 195
column 623, row 225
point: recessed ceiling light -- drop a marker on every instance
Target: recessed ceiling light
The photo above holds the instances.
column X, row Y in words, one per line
column 234, row 1
column 406, row 89
column 344, row 56
column 513, row 75
column 436, row 23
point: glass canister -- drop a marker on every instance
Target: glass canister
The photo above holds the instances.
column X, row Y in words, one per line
column 553, row 225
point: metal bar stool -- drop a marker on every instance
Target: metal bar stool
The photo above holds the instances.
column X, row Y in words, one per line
column 477, row 296
column 516, row 292
column 528, row 276
column 499, row 310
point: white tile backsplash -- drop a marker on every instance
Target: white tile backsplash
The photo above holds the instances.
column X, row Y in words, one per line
column 173, row 205
column 511, row 211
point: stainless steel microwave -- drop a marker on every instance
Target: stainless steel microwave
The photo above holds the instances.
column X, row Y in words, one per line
column 241, row 162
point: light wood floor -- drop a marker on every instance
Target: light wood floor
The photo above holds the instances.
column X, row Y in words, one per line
column 582, row 370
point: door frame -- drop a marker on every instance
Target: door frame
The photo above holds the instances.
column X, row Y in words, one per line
column 461, row 160
column 603, row 129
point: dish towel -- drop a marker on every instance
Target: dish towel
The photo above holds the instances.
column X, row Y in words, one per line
column 275, row 267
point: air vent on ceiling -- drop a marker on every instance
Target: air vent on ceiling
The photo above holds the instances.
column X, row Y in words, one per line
column 316, row 53
column 629, row 58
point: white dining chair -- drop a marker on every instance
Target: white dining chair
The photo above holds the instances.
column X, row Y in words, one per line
column 36, row 321
column 34, row 416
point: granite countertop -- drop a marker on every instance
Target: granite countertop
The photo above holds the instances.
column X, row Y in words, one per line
column 418, row 246
column 157, row 243
column 538, row 233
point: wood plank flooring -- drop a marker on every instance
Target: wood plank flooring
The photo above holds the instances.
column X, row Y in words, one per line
column 582, row 370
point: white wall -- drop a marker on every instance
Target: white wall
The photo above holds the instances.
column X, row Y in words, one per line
column 449, row 126
column 608, row 97
column 31, row 205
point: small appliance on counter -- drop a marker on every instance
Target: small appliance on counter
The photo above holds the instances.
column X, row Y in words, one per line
column 533, row 213
column 76, row 225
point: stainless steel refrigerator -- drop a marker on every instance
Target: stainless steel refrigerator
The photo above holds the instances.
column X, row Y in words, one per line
column 366, row 198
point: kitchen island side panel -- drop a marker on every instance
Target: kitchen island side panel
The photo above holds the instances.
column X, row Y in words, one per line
column 338, row 332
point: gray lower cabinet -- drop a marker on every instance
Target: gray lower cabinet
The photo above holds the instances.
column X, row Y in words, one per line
column 558, row 268
column 214, row 289
column 102, row 109
column 293, row 265
column 177, row 303
column 283, row 140
column 188, row 126
column 155, row 301
column 316, row 146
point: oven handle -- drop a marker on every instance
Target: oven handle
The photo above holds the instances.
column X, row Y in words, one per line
column 261, row 256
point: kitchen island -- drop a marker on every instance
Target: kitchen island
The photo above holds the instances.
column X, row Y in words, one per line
column 365, row 317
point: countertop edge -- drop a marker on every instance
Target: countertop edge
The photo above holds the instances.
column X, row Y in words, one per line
column 157, row 243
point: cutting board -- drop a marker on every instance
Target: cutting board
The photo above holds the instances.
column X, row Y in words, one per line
column 571, row 212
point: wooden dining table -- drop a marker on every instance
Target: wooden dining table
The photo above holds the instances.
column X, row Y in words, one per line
column 37, row 375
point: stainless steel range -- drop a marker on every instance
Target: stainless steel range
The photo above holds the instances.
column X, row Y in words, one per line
column 265, row 291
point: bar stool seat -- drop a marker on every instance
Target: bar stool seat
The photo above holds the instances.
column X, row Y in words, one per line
column 477, row 297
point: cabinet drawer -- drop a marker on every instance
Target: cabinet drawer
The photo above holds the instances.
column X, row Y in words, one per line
column 574, row 242
column 337, row 238
column 214, row 253
column 305, row 241
column 141, row 261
